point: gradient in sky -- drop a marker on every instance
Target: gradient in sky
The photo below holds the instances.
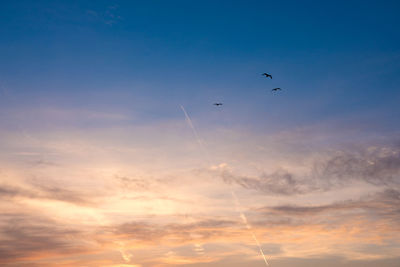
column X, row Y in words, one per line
column 99, row 166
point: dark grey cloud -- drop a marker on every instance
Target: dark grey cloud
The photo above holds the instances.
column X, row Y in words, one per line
column 25, row 236
column 139, row 231
column 181, row 232
column 42, row 162
column 384, row 205
column 206, row 228
column 7, row 191
column 64, row 194
column 380, row 166
column 146, row 183
column 376, row 166
column 134, row 183
column 334, row 261
column 280, row 182
column 42, row 191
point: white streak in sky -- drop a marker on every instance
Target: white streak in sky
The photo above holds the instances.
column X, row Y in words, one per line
column 238, row 206
column 248, row 226
column 124, row 254
column 196, row 135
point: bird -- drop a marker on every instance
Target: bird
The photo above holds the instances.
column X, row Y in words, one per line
column 267, row 75
column 276, row 89
column 217, row 104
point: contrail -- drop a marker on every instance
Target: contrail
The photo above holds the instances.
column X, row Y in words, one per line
column 196, row 135
column 248, row 226
column 124, row 254
column 238, row 206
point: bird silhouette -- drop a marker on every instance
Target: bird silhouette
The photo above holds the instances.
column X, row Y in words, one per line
column 267, row 75
column 276, row 89
column 217, row 104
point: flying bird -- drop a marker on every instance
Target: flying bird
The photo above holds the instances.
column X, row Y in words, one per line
column 267, row 75
column 276, row 89
column 218, row 104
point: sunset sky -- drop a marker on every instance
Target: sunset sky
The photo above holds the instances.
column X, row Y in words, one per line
column 101, row 167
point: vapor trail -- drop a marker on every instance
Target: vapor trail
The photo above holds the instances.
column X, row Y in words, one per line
column 248, row 226
column 238, row 206
column 196, row 135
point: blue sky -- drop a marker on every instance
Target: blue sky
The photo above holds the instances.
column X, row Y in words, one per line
column 90, row 95
column 333, row 60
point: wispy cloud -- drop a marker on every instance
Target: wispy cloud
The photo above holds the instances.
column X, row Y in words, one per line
column 379, row 166
column 122, row 196
column 382, row 204
column 28, row 237
column 49, row 192
column 109, row 15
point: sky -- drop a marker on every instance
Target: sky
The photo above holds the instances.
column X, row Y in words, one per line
column 113, row 154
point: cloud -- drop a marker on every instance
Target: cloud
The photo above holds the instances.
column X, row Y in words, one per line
column 152, row 210
column 28, row 236
column 378, row 166
column 7, row 191
column 139, row 231
column 136, row 184
column 185, row 232
column 109, row 15
column 280, row 182
column 66, row 195
column 383, row 206
column 42, row 191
